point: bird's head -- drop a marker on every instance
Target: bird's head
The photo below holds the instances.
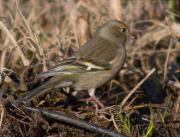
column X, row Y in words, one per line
column 113, row 30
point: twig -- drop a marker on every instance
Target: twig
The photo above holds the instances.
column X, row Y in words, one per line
column 136, row 87
column 32, row 35
column 167, row 59
column 162, row 51
column 174, row 84
column 21, row 54
column 2, row 116
column 74, row 122
column 177, row 108
column 114, row 122
column 145, row 105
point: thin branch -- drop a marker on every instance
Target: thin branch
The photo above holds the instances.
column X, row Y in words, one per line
column 2, row 116
column 21, row 54
column 74, row 122
column 167, row 59
column 136, row 87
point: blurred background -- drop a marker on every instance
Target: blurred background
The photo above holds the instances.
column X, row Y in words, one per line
column 36, row 34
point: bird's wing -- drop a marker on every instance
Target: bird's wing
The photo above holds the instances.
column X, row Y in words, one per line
column 98, row 51
column 72, row 66
column 93, row 56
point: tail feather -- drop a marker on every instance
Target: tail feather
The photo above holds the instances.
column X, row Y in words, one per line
column 33, row 93
column 45, row 88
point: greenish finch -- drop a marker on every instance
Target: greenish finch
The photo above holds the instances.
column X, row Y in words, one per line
column 94, row 64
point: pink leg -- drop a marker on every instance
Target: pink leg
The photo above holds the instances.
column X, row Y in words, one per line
column 94, row 98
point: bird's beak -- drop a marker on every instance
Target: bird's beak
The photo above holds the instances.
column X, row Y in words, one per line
column 131, row 35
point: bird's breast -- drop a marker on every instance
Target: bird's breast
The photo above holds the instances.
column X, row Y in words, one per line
column 118, row 61
column 96, row 79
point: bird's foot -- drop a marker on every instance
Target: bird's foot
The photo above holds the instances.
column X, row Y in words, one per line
column 96, row 101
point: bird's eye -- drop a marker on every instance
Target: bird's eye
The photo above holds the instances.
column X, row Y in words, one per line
column 122, row 29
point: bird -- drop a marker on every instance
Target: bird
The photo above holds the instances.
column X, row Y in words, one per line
column 95, row 63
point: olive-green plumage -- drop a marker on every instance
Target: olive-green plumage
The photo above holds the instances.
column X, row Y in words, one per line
column 94, row 64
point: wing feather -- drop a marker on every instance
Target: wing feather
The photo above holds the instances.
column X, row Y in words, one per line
column 93, row 56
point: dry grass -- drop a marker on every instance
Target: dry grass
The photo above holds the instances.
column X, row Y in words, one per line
column 35, row 35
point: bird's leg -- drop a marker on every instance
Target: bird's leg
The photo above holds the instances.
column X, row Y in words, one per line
column 94, row 98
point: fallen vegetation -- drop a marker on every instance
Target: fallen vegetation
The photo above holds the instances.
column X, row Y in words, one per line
column 142, row 101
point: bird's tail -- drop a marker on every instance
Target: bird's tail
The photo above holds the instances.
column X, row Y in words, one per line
column 29, row 96
column 48, row 86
